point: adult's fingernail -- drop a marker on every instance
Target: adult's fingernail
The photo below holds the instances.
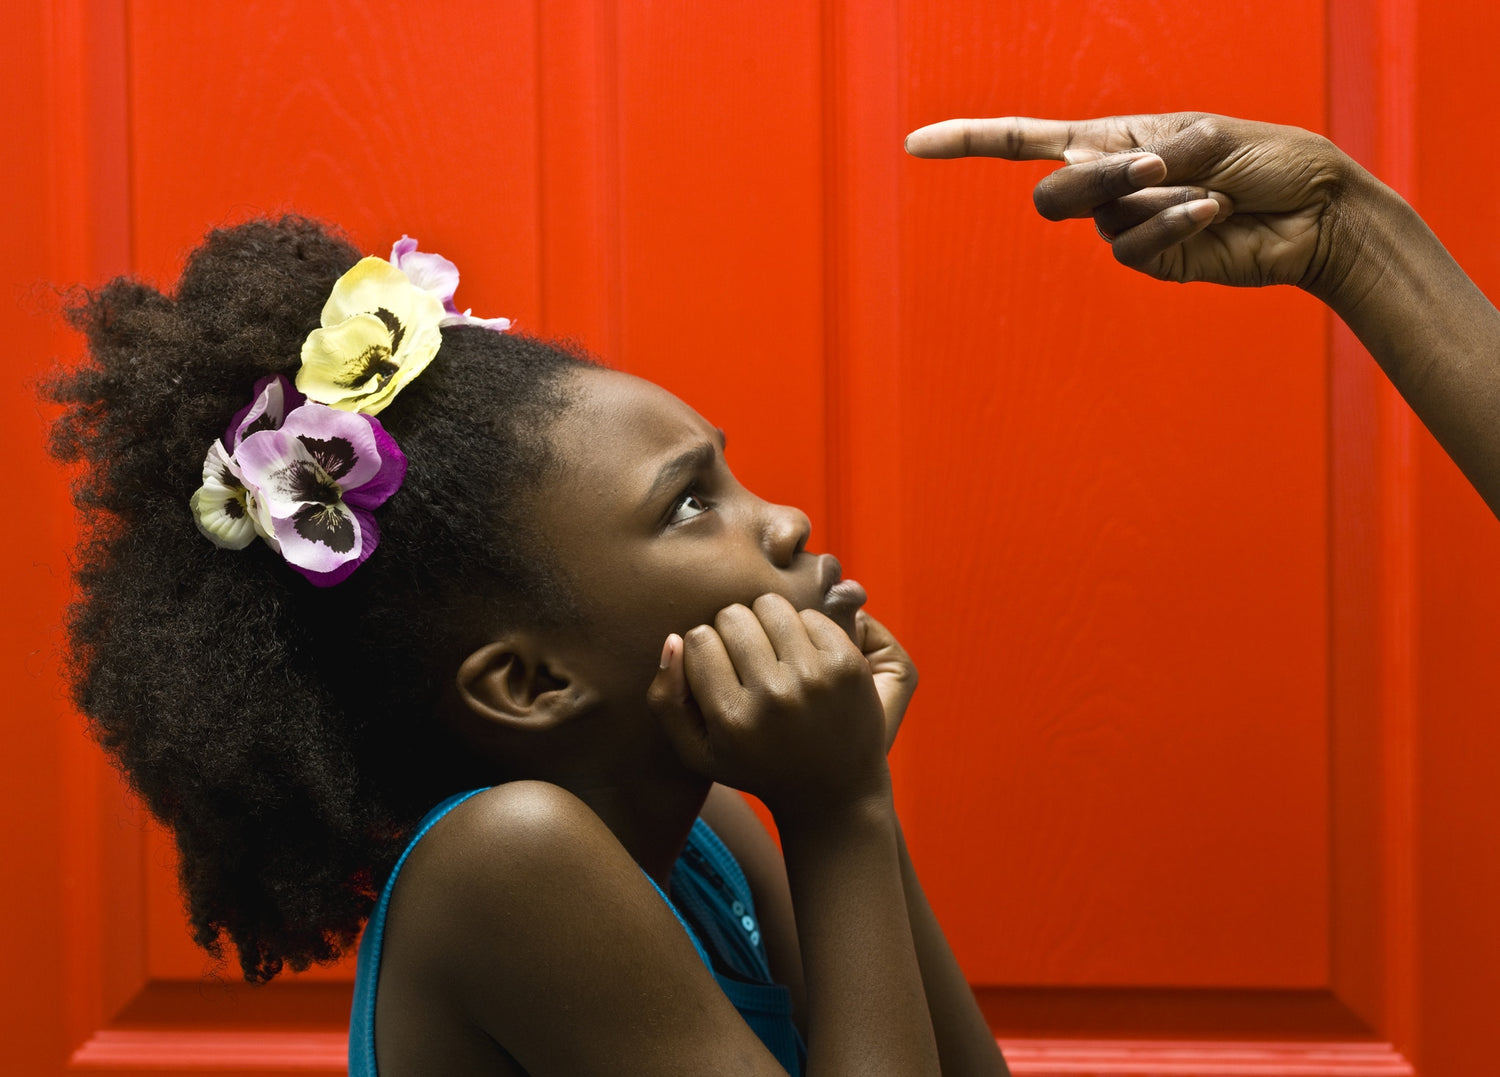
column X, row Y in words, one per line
column 1146, row 169
column 1202, row 210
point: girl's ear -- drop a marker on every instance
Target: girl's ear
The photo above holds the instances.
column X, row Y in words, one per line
column 510, row 682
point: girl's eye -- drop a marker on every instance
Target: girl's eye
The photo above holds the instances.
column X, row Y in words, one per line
column 688, row 505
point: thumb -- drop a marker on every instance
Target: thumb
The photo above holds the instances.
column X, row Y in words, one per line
column 894, row 672
column 673, row 705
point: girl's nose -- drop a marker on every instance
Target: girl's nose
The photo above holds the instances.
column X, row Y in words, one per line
column 786, row 533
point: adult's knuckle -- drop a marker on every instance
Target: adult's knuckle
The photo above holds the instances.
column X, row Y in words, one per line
column 1015, row 140
column 966, row 137
column 1045, row 197
column 1209, row 132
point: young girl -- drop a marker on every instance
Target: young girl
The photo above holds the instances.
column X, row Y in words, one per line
column 393, row 615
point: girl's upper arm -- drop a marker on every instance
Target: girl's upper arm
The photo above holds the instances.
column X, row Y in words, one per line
column 740, row 829
column 542, row 930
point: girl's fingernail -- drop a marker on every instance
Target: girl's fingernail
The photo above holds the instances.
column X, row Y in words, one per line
column 666, row 652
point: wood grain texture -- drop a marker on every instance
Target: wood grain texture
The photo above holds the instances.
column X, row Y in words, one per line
column 1116, row 507
column 32, row 1021
column 1456, row 598
column 1200, row 766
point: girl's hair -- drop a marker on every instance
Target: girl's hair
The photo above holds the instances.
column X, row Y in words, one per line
column 285, row 733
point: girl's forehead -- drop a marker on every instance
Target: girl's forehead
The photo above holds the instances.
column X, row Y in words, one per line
column 627, row 414
column 618, row 443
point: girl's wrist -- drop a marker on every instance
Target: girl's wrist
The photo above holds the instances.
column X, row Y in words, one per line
column 872, row 808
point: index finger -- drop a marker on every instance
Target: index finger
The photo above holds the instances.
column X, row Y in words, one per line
column 1016, row 138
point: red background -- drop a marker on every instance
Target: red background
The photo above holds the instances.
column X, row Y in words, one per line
column 1201, row 769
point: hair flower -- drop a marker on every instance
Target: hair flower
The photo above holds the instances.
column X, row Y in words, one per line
column 304, row 468
column 317, row 479
column 228, row 512
column 222, row 506
column 438, row 277
column 379, row 331
column 304, row 477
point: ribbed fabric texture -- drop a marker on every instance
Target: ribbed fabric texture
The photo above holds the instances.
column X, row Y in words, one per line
column 710, row 898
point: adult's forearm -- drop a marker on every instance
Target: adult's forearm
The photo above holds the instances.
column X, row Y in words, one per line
column 1428, row 326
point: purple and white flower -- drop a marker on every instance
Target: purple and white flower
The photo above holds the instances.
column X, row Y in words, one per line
column 438, row 277
column 306, row 479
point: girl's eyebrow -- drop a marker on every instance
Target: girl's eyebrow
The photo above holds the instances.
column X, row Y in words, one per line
column 683, row 464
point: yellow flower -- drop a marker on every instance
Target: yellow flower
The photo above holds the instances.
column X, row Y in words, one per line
column 379, row 331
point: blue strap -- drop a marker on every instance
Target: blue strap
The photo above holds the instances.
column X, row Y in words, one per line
column 367, row 967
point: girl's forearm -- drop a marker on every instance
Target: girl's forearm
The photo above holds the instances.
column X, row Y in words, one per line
column 866, row 1011
column 965, row 1043
column 1425, row 322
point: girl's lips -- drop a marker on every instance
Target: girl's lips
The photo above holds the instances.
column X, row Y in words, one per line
column 841, row 598
column 844, row 595
column 841, row 604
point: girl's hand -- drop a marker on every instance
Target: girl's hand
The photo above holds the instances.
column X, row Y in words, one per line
column 1185, row 196
column 894, row 672
column 775, row 702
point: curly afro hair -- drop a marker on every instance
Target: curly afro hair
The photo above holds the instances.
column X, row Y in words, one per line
column 286, row 733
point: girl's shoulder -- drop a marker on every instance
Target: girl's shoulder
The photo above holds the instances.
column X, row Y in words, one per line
column 509, row 858
column 520, row 920
column 519, row 826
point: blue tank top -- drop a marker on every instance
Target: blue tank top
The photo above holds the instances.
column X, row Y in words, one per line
column 711, row 900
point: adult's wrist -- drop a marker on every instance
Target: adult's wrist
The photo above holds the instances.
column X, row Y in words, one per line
column 1362, row 226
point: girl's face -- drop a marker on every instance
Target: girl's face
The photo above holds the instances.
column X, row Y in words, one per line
column 656, row 535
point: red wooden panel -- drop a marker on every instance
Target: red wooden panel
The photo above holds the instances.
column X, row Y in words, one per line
column 1118, row 527
column 1193, row 608
column 416, row 119
column 31, row 1019
column 579, row 169
column 721, row 227
column 1457, row 595
column 1373, row 712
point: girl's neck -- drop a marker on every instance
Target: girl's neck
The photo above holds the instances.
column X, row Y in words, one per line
column 650, row 812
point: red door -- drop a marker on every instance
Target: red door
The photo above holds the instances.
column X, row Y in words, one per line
column 1200, row 775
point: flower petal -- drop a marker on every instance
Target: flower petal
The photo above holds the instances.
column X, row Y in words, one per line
column 378, row 488
column 430, row 272
column 220, row 505
column 499, row 325
column 401, row 248
column 435, row 274
column 369, row 538
column 272, row 398
column 349, row 363
column 286, row 475
column 344, row 444
column 321, row 537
